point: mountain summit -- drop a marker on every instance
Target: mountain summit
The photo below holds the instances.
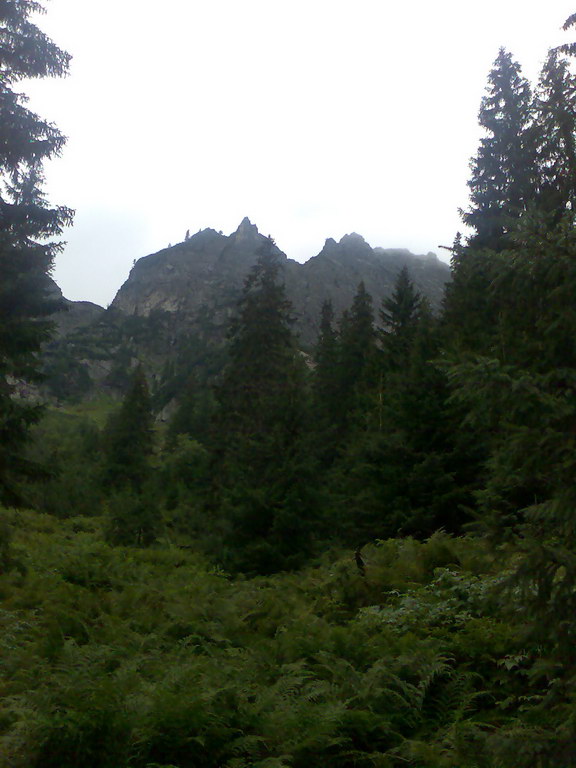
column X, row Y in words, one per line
column 207, row 271
column 246, row 229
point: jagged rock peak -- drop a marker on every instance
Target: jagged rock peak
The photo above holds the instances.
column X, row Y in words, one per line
column 353, row 239
column 349, row 246
column 246, row 228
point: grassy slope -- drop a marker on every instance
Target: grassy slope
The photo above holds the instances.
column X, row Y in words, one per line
column 97, row 411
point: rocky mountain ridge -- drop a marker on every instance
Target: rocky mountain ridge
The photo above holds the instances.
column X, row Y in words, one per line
column 172, row 312
column 207, row 271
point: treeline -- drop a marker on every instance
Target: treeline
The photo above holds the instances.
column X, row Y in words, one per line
column 401, row 422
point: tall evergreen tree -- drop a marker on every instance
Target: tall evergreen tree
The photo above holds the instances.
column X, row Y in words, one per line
column 554, row 121
column 327, row 405
column 400, row 472
column 503, row 171
column 357, row 359
column 129, row 438
column 193, row 413
column 519, row 398
column 358, row 334
column 260, row 470
column 326, row 354
column 467, row 313
column 399, row 318
column 503, row 184
column 262, row 353
column 26, row 221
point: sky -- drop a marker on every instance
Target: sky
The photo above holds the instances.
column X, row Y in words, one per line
column 314, row 118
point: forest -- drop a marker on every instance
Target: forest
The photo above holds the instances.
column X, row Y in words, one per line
column 363, row 556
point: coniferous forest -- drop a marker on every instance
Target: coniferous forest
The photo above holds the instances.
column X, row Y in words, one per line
column 363, row 555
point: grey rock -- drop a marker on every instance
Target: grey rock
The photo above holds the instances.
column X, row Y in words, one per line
column 173, row 311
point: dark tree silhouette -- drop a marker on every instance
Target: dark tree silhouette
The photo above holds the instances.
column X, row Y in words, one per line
column 27, row 221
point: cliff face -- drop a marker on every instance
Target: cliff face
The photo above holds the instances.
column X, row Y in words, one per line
column 172, row 312
column 203, row 276
column 339, row 268
column 185, row 277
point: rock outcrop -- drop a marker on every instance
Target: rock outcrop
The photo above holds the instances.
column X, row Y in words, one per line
column 173, row 310
column 204, row 276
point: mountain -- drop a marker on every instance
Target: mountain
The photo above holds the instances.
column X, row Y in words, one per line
column 339, row 268
column 205, row 274
column 172, row 312
column 74, row 314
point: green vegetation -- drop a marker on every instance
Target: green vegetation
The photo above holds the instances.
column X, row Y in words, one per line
column 120, row 657
column 97, row 411
column 362, row 558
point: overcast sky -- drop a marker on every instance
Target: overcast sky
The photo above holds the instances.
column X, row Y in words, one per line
column 314, row 118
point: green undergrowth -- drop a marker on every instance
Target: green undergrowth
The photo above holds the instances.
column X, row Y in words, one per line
column 96, row 410
column 117, row 657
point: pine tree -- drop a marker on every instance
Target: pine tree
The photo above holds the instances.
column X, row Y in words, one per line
column 504, row 184
column 326, row 391
column 259, row 467
column 503, row 171
column 263, row 357
column 26, row 221
column 335, row 388
column 358, row 334
column 400, row 470
column 554, row 121
column 129, row 438
column 357, row 361
column 399, row 317
column 519, row 400
column 326, row 353
column 467, row 312
column 194, row 411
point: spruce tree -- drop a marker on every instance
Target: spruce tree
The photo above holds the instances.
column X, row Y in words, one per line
column 399, row 317
column 128, row 443
column 399, row 472
column 358, row 334
column 503, row 171
column 326, row 354
column 519, row 400
column 554, row 121
column 357, row 358
column 27, row 221
column 503, row 185
column 262, row 352
column 326, row 391
column 260, row 473
column 129, row 438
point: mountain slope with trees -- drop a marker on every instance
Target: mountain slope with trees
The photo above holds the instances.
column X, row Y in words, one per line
column 172, row 313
